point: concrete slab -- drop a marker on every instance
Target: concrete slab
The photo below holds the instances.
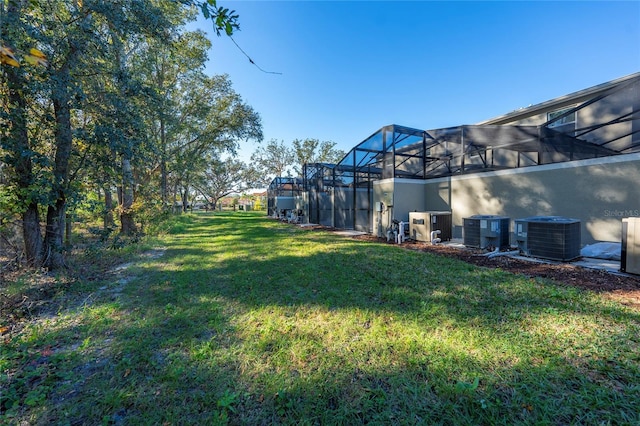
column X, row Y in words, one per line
column 349, row 233
column 611, row 266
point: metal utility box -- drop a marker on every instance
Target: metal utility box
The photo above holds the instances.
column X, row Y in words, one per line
column 421, row 224
column 485, row 231
column 548, row 237
column 630, row 259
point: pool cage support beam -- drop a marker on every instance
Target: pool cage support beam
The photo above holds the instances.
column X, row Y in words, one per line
column 462, row 150
column 354, row 185
column 393, row 157
column 424, row 154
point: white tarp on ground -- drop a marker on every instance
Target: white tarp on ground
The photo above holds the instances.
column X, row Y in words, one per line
column 604, row 250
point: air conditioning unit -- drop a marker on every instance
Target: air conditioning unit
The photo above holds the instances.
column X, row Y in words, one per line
column 486, row 231
column 421, row 224
column 548, row 237
column 630, row 259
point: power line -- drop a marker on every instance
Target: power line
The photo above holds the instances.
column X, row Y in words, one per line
column 251, row 60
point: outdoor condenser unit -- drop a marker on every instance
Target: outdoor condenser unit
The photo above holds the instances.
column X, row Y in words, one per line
column 549, row 237
column 484, row 231
column 630, row 259
column 421, row 224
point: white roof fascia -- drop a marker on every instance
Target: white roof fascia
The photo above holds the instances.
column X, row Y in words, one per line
column 562, row 100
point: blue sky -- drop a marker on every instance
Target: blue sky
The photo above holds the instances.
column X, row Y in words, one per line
column 351, row 67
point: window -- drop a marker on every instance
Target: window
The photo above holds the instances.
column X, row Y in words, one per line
column 564, row 120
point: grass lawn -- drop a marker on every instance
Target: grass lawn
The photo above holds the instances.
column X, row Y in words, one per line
column 244, row 320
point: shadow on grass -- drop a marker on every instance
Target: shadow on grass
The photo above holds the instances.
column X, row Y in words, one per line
column 249, row 321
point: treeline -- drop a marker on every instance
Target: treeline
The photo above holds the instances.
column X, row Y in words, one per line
column 108, row 100
column 276, row 158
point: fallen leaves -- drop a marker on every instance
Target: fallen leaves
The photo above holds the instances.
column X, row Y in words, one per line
column 8, row 57
column 34, row 57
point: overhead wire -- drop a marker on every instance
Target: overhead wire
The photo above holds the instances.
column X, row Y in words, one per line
column 252, row 61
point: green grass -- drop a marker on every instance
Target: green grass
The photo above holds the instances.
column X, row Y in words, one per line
column 245, row 320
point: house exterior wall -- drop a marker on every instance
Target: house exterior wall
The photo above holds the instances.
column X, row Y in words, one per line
column 363, row 210
column 325, row 210
column 335, row 207
column 343, row 208
column 399, row 196
column 598, row 192
column 382, row 193
column 302, row 204
column 408, row 196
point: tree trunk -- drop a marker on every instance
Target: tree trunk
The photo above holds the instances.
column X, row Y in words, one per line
column 54, row 232
column 67, row 231
column 23, row 167
column 174, row 209
column 163, row 165
column 17, row 144
column 53, row 237
column 185, row 200
column 125, row 193
column 32, row 235
column 108, row 208
column 127, row 223
column 163, row 184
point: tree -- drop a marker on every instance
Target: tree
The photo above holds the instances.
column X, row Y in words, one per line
column 313, row 151
column 74, row 36
column 80, row 45
column 273, row 159
column 304, row 152
column 16, row 143
column 164, row 67
column 223, row 178
column 213, row 120
column 327, row 153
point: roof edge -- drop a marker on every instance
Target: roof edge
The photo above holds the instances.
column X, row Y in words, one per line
column 512, row 116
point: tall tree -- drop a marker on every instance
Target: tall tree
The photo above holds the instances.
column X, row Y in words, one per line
column 224, row 177
column 81, row 40
column 213, row 120
column 304, row 151
column 164, row 66
column 17, row 146
column 67, row 54
column 327, row 153
column 273, row 159
column 313, row 151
